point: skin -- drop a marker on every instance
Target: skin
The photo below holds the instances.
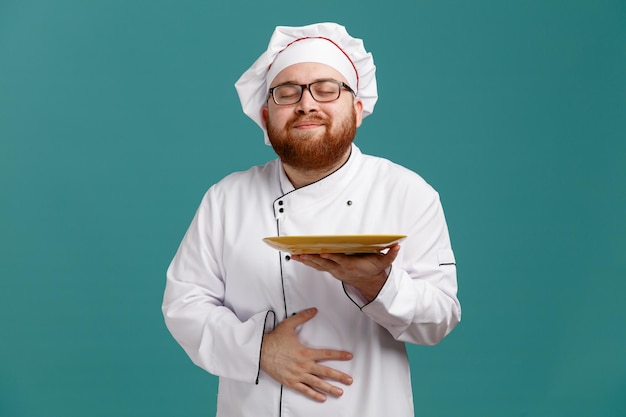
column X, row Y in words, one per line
column 310, row 125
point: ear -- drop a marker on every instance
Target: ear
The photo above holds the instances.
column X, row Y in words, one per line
column 264, row 112
column 358, row 110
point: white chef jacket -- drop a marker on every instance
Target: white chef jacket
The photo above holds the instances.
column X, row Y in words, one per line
column 226, row 288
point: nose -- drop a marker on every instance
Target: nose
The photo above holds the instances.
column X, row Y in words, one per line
column 307, row 103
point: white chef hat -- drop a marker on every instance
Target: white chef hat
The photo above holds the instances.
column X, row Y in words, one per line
column 325, row 43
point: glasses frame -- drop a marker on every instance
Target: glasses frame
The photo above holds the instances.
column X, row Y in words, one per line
column 303, row 87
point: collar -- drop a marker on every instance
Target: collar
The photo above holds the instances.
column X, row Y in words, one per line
column 325, row 187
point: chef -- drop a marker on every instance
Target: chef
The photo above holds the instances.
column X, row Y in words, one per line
column 312, row 334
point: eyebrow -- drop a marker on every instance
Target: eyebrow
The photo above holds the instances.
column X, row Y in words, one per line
column 291, row 82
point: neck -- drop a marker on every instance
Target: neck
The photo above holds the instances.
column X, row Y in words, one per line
column 302, row 177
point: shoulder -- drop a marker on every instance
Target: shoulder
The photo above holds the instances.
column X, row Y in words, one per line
column 391, row 174
column 265, row 172
column 404, row 192
column 251, row 181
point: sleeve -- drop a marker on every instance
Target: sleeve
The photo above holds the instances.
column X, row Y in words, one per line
column 418, row 303
column 193, row 303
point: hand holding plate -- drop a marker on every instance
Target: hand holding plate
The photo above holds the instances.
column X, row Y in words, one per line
column 366, row 272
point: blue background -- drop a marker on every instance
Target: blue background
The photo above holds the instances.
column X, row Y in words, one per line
column 116, row 116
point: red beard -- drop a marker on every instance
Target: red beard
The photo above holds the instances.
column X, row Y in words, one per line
column 304, row 152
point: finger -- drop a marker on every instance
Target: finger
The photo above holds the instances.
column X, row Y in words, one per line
column 338, row 258
column 300, row 317
column 330, row 355
column 383, row 260
column 346, row 260
column 387, row 259
column 332, row 374
column 309, row 392
column 323, row 386
column 318, row 263
column 310, row 259
column 392, row 254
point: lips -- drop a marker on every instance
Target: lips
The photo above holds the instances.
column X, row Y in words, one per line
column 308, row 123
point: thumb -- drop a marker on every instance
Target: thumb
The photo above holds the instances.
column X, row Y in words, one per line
column 392, row 254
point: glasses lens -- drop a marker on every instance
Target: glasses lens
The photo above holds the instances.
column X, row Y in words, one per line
column 287, row 94
column 325, row 90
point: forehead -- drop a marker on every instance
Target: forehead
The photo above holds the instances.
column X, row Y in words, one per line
column 307, row 72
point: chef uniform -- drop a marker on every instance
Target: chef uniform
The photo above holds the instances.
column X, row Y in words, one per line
column 226, row 288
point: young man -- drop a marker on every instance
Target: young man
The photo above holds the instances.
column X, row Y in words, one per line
column 314, row 334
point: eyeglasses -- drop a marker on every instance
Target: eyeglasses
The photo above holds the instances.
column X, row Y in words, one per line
column 321, row 91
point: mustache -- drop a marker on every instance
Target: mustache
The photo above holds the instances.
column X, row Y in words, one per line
column 308, row 118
